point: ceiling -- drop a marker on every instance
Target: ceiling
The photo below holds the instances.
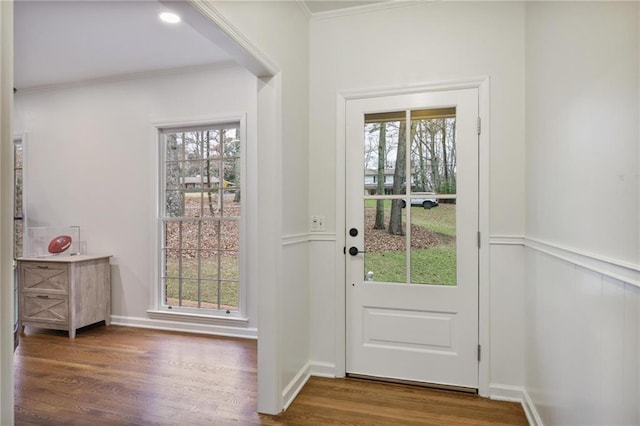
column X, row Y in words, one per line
column 62, row 41
column 57, row 42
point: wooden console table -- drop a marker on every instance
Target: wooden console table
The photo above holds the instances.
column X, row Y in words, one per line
column 64, row 292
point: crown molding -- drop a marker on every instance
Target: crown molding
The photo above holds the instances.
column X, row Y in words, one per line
column 376, row 7
column 305, row 8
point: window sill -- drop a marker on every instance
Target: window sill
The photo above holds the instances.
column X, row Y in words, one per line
column 238, row 322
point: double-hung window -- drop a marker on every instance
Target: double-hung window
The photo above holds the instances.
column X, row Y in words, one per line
column 200, row 219
column 18, row 214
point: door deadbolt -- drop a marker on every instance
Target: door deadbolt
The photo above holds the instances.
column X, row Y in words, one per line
column 353, row 232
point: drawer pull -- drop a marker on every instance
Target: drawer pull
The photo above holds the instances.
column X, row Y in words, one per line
column 43, row 267
column 42, row 296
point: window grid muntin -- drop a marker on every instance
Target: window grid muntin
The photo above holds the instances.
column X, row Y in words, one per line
column 220, row 215
column 407, row 192
column 18, row 201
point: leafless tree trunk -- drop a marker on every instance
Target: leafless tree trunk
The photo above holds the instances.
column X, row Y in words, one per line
column 395, row 220
column 420, row 142
column 382, row 149
column 207, row 153
column 444, row 152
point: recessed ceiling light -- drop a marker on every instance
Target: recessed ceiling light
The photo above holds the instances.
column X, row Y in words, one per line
column 169, row 17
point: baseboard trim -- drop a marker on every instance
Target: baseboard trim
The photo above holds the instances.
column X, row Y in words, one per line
column 530, row 410
column 185, row 327
column 506, row 392
column 322, row 369
column 516, row 394
column 295, row 386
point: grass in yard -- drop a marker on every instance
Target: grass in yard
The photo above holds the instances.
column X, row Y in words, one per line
column 441, row 219
column 210, row 287
column 436, row 265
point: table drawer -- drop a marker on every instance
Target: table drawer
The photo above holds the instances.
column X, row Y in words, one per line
column 45, row 308
column 44, row 278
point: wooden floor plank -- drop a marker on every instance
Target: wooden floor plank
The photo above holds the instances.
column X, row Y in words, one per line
column 128, row 376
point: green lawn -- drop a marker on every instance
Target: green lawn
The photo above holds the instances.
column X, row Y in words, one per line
column 441, row 219
column 209, row 289
column 435, row 265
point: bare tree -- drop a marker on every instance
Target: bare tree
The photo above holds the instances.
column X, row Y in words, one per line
column 444, row 151
column 208, row 154
column 175, row 197
column 382, row 142
column 395, row 217
column 419, row 157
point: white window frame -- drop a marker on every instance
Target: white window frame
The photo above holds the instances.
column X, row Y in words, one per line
column 22, row 138
column 18, row 139
column 158, row 310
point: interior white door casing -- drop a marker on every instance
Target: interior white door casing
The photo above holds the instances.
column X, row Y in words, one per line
column 425, row 333
column 6, row 231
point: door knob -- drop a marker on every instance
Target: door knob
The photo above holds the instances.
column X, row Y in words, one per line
column 353, row 251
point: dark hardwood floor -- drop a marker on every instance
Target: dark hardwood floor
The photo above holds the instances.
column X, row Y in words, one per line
column 127, row 376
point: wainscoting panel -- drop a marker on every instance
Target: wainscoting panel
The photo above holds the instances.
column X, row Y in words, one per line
column 582, row 341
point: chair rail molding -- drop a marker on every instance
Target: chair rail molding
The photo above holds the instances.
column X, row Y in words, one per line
column 613, row 268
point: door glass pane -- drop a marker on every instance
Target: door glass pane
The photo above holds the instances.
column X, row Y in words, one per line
column 433, row 244
column 433, row 219
column 385, row 175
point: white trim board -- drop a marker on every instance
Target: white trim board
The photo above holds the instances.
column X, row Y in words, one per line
column 626, row 272
column 622, row 271
column 200, row 15
column 290, row 240
column 516, row 394
column 530, row 410
column 185, row 326
column 322, row 369
column 294, row 387
column 374, row 7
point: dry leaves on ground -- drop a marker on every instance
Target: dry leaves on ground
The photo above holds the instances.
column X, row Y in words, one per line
column 229, row 232
column 379, row 240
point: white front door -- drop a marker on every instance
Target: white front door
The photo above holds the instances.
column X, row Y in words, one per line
column 412, row 297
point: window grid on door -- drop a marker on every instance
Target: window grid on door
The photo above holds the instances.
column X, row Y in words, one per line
column 410, row 160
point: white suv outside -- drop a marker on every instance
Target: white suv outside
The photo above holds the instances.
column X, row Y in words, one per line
column 426, row 203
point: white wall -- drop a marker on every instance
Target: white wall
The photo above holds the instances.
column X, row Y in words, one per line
column 582, row 133
column 279, row 30
column 424, row 43
column 582, row 264
column 89, row 158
